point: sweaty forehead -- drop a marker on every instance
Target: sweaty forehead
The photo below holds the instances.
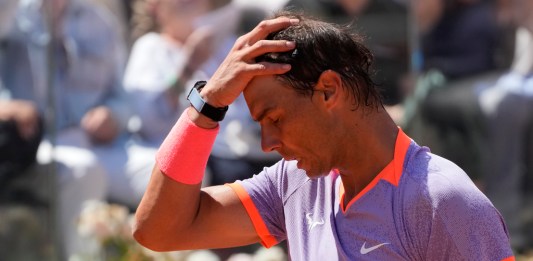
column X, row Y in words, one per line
column 265, row 92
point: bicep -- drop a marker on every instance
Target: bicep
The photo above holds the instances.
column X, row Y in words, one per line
column 222, row 221
column 177, row 216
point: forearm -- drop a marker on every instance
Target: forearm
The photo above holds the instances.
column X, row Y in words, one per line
column 172, row 200
column 174, row 212
column 167, row 209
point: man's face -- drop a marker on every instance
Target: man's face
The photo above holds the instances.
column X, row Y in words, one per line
column 522, row 13
column 354, row 7
column 178, row 15
column 294, row 125
column 56, row 8
column 7, row 15
column 427, row 13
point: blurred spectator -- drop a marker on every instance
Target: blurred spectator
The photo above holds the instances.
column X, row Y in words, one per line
column 384, row 23
column 156, row 75
column 427, row 14
column 120, row 11
column 464, row 39
column 62, row 59
column 354, row 7
column 508, row 107
column 462, row 45
column 7, row 15
column 162, row 63
column 20, row 125
column 186, row 43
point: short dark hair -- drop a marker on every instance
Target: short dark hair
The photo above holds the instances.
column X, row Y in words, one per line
column 322, row 46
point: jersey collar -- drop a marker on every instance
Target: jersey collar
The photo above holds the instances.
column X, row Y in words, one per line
column 391, row 173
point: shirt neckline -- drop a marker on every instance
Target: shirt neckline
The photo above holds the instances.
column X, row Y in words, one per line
column 391, row 173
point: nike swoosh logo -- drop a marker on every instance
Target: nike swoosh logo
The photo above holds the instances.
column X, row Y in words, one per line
column 365, row 250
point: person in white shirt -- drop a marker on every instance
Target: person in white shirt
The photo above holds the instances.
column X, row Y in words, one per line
column 186, row 41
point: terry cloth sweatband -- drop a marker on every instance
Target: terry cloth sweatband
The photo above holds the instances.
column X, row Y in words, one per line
column 184, row 152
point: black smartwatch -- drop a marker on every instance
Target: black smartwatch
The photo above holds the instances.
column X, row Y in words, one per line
column 198, row 103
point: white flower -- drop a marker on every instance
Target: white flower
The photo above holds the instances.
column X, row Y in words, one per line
column 100, row 221
column 240, row 257
column 270, row 254
column 202, row 255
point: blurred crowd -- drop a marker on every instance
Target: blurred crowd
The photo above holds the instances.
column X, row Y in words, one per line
column 90, row 88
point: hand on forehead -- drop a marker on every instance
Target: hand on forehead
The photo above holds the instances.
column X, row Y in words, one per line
column 240, row 65
column 266, row 27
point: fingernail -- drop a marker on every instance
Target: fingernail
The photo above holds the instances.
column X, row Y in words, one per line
column 290, row 44
column 286, row 66
column 294, row 21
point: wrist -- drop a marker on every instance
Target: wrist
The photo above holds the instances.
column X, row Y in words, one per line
column 201, row 120
column 209, row 96
column 184, row 152
column 199, row 103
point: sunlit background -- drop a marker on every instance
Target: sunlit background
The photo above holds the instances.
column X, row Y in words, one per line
column 90, row 88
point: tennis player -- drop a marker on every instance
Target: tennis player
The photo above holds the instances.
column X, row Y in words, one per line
column 351, row 184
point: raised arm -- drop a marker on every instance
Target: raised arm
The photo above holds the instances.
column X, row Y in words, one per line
column 174, row 212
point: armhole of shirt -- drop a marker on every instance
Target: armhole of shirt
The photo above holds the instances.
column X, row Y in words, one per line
column 267, row 240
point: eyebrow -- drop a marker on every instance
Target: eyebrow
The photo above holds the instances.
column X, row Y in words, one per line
column 263, row 113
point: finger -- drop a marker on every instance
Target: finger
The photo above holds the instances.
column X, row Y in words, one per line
column 265, row 68
column 268, row 46
column 88, row 123
column 264, row 28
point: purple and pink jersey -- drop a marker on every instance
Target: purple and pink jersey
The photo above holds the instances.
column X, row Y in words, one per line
column 419, row 207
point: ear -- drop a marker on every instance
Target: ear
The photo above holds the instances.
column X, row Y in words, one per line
column 329, row 88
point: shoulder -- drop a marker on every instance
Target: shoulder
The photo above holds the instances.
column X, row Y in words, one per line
column 149, row 41
column 437, row 179
column 433, row 187
column 442, row 206
column 284, row 178
column 446, row 179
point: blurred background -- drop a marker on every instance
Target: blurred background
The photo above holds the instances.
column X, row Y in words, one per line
column 90, row 88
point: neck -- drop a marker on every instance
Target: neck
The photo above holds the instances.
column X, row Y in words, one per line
column 371, row 152
column 172, row 36
column 54, row 20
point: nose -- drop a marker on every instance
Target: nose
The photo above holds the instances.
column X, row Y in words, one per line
column 269, row 140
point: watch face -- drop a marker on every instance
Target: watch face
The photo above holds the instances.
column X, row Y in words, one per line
column 200, row 85
column 198, row 103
